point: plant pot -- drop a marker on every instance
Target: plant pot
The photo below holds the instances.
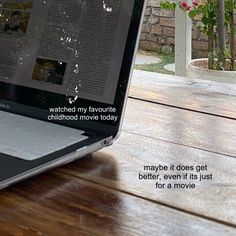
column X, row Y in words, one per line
column 198, row 69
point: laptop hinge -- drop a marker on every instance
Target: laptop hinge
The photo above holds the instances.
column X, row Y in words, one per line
column 108, row 141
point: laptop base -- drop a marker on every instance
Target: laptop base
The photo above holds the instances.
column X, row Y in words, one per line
column 29, row 139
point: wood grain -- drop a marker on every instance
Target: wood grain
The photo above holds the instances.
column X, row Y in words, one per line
column 198, row 95
column 57, row 204
column 101, row 194
column 118, row 167
column 183, row 127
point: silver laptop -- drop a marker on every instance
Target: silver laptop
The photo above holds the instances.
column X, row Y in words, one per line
column 65, row 68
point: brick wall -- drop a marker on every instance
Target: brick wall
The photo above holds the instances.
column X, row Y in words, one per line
column 159, row 31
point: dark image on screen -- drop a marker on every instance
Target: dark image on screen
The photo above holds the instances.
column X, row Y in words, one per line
column 49, row 71
column 14, row 18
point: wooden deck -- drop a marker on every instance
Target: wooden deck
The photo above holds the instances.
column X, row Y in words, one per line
column 168, row 120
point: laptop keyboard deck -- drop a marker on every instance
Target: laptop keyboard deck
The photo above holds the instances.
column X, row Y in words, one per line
column 29, row 139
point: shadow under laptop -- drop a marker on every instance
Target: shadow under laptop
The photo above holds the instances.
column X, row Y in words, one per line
column 96, row 167
column 74, row 194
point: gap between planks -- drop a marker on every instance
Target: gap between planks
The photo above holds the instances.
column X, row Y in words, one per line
column 179, row 107
column 150, row 200
column 194, row 94
column 179, row 144
column 117, row 167
column 66, row 187
column 206, row 132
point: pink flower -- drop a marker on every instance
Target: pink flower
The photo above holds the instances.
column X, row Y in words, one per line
column 196, row 3
column 185, row 6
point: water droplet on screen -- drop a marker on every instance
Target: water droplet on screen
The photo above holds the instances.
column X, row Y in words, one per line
column 76, row 70
column 20, row 60
column 106, row 7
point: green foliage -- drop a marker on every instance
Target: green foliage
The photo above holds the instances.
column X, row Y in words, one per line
column 214, row 55
column 206, row 14
column 168, row 5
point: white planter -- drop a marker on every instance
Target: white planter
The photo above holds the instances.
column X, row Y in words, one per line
column 198, row 69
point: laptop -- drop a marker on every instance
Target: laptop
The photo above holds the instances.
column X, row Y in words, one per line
column 65, row 68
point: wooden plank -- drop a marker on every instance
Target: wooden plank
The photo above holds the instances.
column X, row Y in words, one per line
column 57, row 204
column 200, row 95
column 119, row 165
column 187, row 128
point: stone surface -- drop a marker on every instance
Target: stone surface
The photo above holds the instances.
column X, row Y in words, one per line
column 145, row 59
column 167, row 49
column 170, row 67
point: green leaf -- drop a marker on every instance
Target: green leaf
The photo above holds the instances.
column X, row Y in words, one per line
column 205, row 20
column 202, row 9
column 192, row 14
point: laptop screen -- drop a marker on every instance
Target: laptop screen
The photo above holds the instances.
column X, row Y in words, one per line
column 69, row 47
column 74, row 54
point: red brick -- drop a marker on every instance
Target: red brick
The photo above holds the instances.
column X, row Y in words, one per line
column 151, row 37
column 148, row 11
column 168, row 31
column 200, row 53
column 162, row 12
column 167, row 22
column 157, row 29
column 161, row 40
column 146, row 28
column 154, row 20
column 199, row 45
column 170, row 41
column 143, row 36
column 203, row 37
column 195, row 34
column 148, row 45
column 153, row 3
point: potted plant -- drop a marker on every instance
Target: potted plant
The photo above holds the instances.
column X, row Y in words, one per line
column 216, row 20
